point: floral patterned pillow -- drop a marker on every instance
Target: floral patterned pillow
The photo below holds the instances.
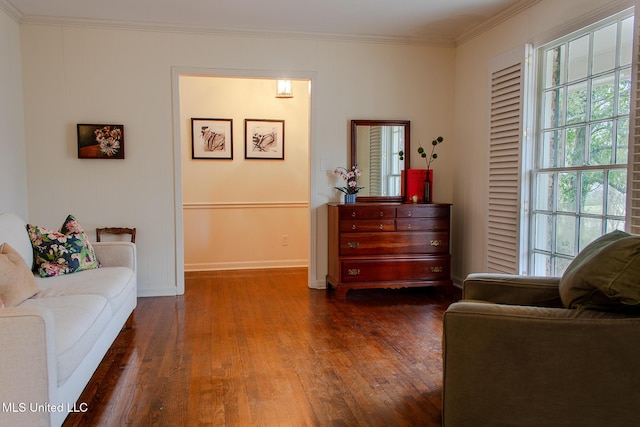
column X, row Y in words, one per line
column 70, row 226
column 61, row 252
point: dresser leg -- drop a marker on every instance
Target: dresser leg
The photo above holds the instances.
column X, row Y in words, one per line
column 341, row 292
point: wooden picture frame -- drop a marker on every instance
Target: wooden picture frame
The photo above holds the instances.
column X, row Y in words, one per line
column 264, row 139
column 100, row 141
column 211, row 139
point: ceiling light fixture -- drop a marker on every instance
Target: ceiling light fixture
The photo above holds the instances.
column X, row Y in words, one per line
column 283, row 89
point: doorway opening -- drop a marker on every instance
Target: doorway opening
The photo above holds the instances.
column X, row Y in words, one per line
column 240, row 211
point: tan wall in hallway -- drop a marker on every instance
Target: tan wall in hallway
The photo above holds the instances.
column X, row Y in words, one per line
column 245, row 213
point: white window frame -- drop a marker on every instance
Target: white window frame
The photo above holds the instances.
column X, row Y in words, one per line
column 535, row 169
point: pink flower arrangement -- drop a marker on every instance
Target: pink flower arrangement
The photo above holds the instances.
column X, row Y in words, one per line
column 351, row 177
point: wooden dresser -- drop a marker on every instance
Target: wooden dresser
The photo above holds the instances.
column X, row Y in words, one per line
column 388, row 245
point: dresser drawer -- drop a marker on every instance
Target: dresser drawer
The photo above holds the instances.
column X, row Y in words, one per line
column 422, row 211
column 367, row 212
column 385, row 270
column 398, row 243
column 356, row 226
column 418, row 224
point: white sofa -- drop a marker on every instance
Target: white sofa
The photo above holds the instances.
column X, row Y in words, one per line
column 52, row 343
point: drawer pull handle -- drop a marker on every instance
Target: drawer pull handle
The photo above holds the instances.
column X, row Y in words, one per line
column 436, row 242
column 380, row 214
column 353, row 227
column 409, row 226
column 353, row 214
column 353, row 245
column 409, row 213
column 436, row 269
column 381, row 226
column 353, row 272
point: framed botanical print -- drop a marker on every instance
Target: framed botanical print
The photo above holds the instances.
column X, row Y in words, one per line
column 99, row 141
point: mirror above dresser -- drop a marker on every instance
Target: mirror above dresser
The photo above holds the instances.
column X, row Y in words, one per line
column 375, row 149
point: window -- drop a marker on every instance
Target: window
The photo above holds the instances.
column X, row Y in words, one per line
column 391, row 159
column 580, row 160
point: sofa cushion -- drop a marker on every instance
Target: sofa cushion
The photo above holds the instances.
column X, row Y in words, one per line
column 605, row 275
column 67, row 251
column 16, row 280
column 79, row 321
column 110, row 282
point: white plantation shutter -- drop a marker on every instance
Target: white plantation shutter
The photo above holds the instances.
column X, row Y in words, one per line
column 505, row 155
column 633, row 171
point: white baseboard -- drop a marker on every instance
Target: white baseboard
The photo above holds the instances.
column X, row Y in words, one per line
column 247, row 265
column 457, row 282
column 318, row 284
column 157, row 292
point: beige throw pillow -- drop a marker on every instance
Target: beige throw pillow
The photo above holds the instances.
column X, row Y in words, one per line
column 16, row 280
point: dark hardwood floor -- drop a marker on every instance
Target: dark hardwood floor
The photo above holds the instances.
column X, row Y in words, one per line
column 259, row 348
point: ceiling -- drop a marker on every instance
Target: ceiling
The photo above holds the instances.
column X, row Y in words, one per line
column 420, row 20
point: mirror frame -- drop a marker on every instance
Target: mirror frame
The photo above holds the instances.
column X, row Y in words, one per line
column 407, row 149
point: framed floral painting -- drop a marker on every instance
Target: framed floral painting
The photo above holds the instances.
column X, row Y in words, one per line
column 264, row 139
column 211, row 138
column 100, row 141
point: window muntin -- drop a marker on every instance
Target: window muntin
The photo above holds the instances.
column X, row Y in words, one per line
column 579, row 176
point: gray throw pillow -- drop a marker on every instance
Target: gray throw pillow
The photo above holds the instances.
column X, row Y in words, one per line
column 605, row 275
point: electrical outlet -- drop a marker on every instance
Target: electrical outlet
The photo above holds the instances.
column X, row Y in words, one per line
column 284, row 240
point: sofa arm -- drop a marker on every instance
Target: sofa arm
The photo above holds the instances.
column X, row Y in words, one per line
column 533, row 366
column 28, row 369
column 512, row 289
column 116, row 254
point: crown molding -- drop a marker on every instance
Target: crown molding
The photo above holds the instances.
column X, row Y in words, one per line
column 10, row 10
column 602, row 12
column 236, row 32
column 495, row 20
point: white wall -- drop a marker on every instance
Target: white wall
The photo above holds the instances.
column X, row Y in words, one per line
column 543, row 22
column 13, row 166
column 75, row 74
column 237, row 211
